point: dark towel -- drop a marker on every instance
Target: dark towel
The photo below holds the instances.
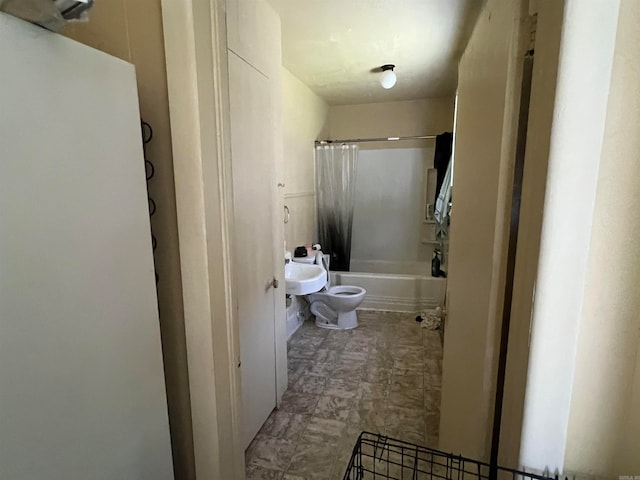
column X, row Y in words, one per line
column 441, row 159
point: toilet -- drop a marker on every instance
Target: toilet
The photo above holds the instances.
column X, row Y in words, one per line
column 335, row 307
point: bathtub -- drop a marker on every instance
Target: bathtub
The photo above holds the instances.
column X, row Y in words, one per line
column 394, row 286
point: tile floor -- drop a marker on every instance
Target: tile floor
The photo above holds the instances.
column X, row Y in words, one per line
column 384, row 377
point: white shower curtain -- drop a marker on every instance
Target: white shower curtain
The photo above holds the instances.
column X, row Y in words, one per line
column 336, row 168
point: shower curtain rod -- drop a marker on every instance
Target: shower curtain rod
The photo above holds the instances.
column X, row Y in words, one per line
column 383, row 139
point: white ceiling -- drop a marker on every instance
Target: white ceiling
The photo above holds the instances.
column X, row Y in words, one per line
column 332, row 45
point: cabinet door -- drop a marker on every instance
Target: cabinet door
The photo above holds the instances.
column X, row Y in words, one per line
column 253, row 161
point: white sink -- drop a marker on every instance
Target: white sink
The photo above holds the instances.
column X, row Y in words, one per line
column 303, row 279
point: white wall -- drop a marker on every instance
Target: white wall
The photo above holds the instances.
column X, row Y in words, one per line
column 304, row 120
column 583, row 381
column 574, row 162
column 81, row 379
column 389, row 203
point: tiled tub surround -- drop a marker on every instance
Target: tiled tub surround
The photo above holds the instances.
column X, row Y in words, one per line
column 382, row 377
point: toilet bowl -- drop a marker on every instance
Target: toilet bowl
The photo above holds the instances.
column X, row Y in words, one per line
column 335, row 307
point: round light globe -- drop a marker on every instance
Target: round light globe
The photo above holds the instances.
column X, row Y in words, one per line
column 388, row 79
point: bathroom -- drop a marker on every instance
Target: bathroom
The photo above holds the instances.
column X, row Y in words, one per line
column 344, row 381
column 209, row 368
column 394, row 232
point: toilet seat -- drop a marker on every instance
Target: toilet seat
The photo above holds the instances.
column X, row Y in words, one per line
column 345, row 290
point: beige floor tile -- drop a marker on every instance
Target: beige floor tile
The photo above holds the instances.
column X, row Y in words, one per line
column 375, row 374
column 368, row 413
column 406, row 397
column 323, row 369
column 306, row 342
column 433, row 366
column 406, row 434
column 373, row 391
column 259, row 473
column 296, row 402
column 301, row 352
column 411, row 418
column 309, row 384
column 432, row 380
column 337, row 387
column 285, row 425
column 334, row 408
column 433, row 424
column 324, row 430
column 432, row 400
column 313, row 461
column 353, row 372
column 358, row 346
column 432, row 441
column 408, row 379
column 382, row 377
column 354, row 357
column 327, row 355
column 271, row 453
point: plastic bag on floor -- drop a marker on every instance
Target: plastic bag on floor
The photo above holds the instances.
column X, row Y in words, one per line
column 431, row 319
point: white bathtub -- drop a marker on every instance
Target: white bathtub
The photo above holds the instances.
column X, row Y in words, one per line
column 395, row 286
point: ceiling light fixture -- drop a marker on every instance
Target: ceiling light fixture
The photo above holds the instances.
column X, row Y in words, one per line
column 388, row 78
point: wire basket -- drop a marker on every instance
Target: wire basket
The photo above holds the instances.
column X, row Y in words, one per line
column 376, row 457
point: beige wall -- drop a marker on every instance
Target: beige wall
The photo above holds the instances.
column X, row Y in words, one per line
column 602, row 433
column 133, row 31
column 196, row 55
column 547, row 46
column 427, row 116
column 304, row 120
column 488, row 92
column 562, row 297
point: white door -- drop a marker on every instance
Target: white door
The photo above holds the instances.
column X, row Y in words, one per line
column 252, row 154
column 81, row 378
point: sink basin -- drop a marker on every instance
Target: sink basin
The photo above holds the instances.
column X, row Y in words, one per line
column 303, row 279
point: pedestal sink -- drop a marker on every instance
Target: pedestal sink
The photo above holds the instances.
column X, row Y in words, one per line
column 303, row 279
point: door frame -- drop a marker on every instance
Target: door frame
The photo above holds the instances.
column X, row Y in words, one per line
column 196, row 57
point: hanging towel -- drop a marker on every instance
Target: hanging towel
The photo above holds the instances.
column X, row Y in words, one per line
column 441, row 210
column 441, row 159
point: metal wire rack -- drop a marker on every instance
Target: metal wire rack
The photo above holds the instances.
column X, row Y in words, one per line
column 377, row 457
